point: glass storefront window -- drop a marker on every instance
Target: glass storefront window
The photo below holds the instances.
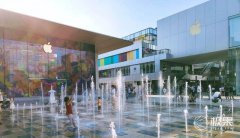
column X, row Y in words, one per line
column 25, row 65
column 147, row 67
column 234, row 24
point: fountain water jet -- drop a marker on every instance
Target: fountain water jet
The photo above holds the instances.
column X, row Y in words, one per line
column 210, row 92
column 206, row 115
column 93, row 97
column 200, row 94
column 221, row 117
column 147, row 96
column 62, row 99
column 158, row 124
column 186, row 121
column 31, row 111
column 175, row 89
column 42, row 95
column 24, row 108
column 169, row 91
column 75, row 99
column 186, row 94
column 65, row 90
column 113, row 131
column 120, row 98
column 87, row 97
column 232, row 107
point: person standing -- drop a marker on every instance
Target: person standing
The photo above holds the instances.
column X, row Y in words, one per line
column 1, row 100
column 69, row 111
column 231, row 92
column 99, row 103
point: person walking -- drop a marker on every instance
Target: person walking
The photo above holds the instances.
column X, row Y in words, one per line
column 69, row 111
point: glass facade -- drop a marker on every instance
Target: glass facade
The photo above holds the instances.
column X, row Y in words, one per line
column 233, row 70
column 113, row 72
column 149, row 35
column 147, row 67
column 24, row 64
column 234, row 24
column 233, row 66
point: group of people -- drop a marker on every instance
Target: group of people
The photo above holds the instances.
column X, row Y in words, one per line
column 6, row 103
column 194, row 89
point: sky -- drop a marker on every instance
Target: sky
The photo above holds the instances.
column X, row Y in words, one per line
column 116, row 18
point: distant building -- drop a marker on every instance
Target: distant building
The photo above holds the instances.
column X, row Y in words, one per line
column 35, row 51
column 200, row 43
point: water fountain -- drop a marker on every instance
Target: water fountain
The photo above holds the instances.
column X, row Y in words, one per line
column 56, row 119
column 142, row 97
column 206, row 115
column 62, row 99
column 158, row 124
column 42, row 95
column 113, row 131
column 169, row 91
column 17, row 108
column 75, row 99
column 65, row 90
column 186, row 121
column 107, row 97
column 87, row 97
column 221, row 117
column 147, row 96
column 24, row 105
column 31, row 110
column 36, row 105
column 200, row 94
column 83, row 95
column 232, row 107
column 93, row 97
column 175, row 89
column 186, row 94
column 119, row 101
column 210, row 92
column 52, row 99
column 78, row 126
column 102, row 97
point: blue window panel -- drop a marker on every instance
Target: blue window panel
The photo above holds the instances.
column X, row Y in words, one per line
column 137, row 54
column 98, row 62
column 115, row 58
column 108, row 60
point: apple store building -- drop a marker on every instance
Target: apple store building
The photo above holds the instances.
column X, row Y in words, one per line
column 37, row 54
column 204, row 42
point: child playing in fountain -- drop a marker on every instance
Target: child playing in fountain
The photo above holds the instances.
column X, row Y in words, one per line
column 69, row 112
column 12, row 106
column 99, row 103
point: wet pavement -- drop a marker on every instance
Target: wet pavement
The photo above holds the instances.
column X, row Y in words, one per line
column 135, row 121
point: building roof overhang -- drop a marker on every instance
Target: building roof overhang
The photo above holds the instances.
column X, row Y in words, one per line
column 16, row 21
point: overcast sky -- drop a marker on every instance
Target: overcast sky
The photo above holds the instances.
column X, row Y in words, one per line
column 111, row 17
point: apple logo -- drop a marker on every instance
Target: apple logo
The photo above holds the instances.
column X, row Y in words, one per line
column 195, row 29
column 47, row 48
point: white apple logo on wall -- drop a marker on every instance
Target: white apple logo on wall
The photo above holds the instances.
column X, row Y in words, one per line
column 47, row 48
column 195, row 29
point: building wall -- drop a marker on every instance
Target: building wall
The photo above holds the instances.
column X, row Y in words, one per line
column 198, row 30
